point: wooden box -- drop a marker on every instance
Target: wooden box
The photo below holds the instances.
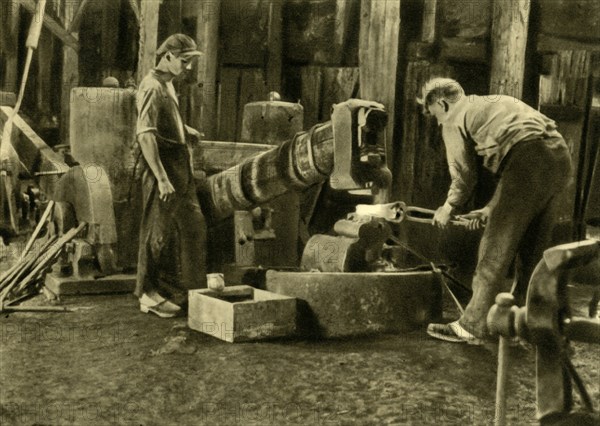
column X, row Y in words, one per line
column 241, row 313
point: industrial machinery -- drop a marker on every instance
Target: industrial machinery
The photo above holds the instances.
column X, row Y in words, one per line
column 547, row 322
column 349, row 151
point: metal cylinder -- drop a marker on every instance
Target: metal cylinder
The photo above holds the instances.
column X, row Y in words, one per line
column 298, row 163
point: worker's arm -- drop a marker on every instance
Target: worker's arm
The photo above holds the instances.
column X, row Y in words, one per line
column 479, row 218
column 193, row 132
column 463, row 175
column 149, row 149
column 148, row 105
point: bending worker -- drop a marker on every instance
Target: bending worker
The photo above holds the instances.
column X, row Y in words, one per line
column 524, row 149
column 172, row 252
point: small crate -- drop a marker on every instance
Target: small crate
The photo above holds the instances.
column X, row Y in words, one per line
column 241, row 313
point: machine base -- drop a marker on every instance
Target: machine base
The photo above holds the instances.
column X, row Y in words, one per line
column 339, row 304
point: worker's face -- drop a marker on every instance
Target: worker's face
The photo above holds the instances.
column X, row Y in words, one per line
column 179, row 64
column 436, row 109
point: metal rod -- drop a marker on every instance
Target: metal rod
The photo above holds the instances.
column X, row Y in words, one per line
column 501, row 379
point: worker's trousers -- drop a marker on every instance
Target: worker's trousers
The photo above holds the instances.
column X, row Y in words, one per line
column 172, row 251
column 529, row 195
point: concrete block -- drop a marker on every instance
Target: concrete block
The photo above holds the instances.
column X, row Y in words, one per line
column 241, row 313
column 345, row 304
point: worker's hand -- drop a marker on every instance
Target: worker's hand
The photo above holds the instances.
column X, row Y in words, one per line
column 165, row 190
column 442, row 216
column 477, row 218
column 194, row 134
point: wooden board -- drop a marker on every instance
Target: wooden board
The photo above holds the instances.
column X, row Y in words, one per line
column 10, row 28
column 148, row 32
column 253, row 88
column 70, row 76
column 378, row 57
column 274, row 46
column 421, row 168
column 464, row 29
column 199, row 105
column 592, row 198
column 244, row 31
column 465, row 19
column 510, row 23
column 571, row 20
column 338, row 86
column 567, row 86
column 228, row 103
column 169, row 20
column 309, row 33
column 312, row 79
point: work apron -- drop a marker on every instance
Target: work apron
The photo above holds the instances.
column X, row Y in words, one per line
column 172, row 251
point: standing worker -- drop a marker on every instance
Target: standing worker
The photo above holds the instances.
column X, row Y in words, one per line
column 524, row 149
column 172, row 251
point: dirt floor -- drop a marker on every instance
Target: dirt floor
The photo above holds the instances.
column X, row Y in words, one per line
column 109, row 364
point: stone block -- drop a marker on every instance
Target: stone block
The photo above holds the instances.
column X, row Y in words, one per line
column 241, row 313
column 347, row 304
column 64, row 286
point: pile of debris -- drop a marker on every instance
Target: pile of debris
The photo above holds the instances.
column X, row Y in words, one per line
column 26, row 277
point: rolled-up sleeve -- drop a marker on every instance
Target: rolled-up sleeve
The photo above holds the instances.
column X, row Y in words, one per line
column 147, row 101
column 461, row 164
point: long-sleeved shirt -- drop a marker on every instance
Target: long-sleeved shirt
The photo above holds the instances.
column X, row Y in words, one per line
column 488, row 126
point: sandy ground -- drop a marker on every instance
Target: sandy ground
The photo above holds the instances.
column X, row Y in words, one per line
column 110, row 364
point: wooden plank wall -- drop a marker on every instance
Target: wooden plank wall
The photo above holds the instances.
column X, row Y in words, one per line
column 563, row 96
column 302, row 49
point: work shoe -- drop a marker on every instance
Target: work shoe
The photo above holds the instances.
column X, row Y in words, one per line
column 452, row 332
column 158, row 306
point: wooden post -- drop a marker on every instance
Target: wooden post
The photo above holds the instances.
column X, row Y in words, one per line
column 274, row 46
column 312, row 83
column 429, row 20
column 204, row 95
column 510, row 21
column 70, row 73
column 378, row 58
column 10, row 79
column 43, row 78
column 344, row 11
column 148, row 33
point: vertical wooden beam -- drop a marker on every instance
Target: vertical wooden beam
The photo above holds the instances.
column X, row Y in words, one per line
column 510, row 21
column 378, row 58
column 429, row 20
column 204, row 96
column 343, row 16
column 312, row 83
column 70, row 73
column 10, row 79
column 148, row 32
column 170, row 19
column 109, row 38
column 338, row 86
column 44, row 53
column 274, row 46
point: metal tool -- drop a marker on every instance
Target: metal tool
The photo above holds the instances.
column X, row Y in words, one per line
column 399, row 211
